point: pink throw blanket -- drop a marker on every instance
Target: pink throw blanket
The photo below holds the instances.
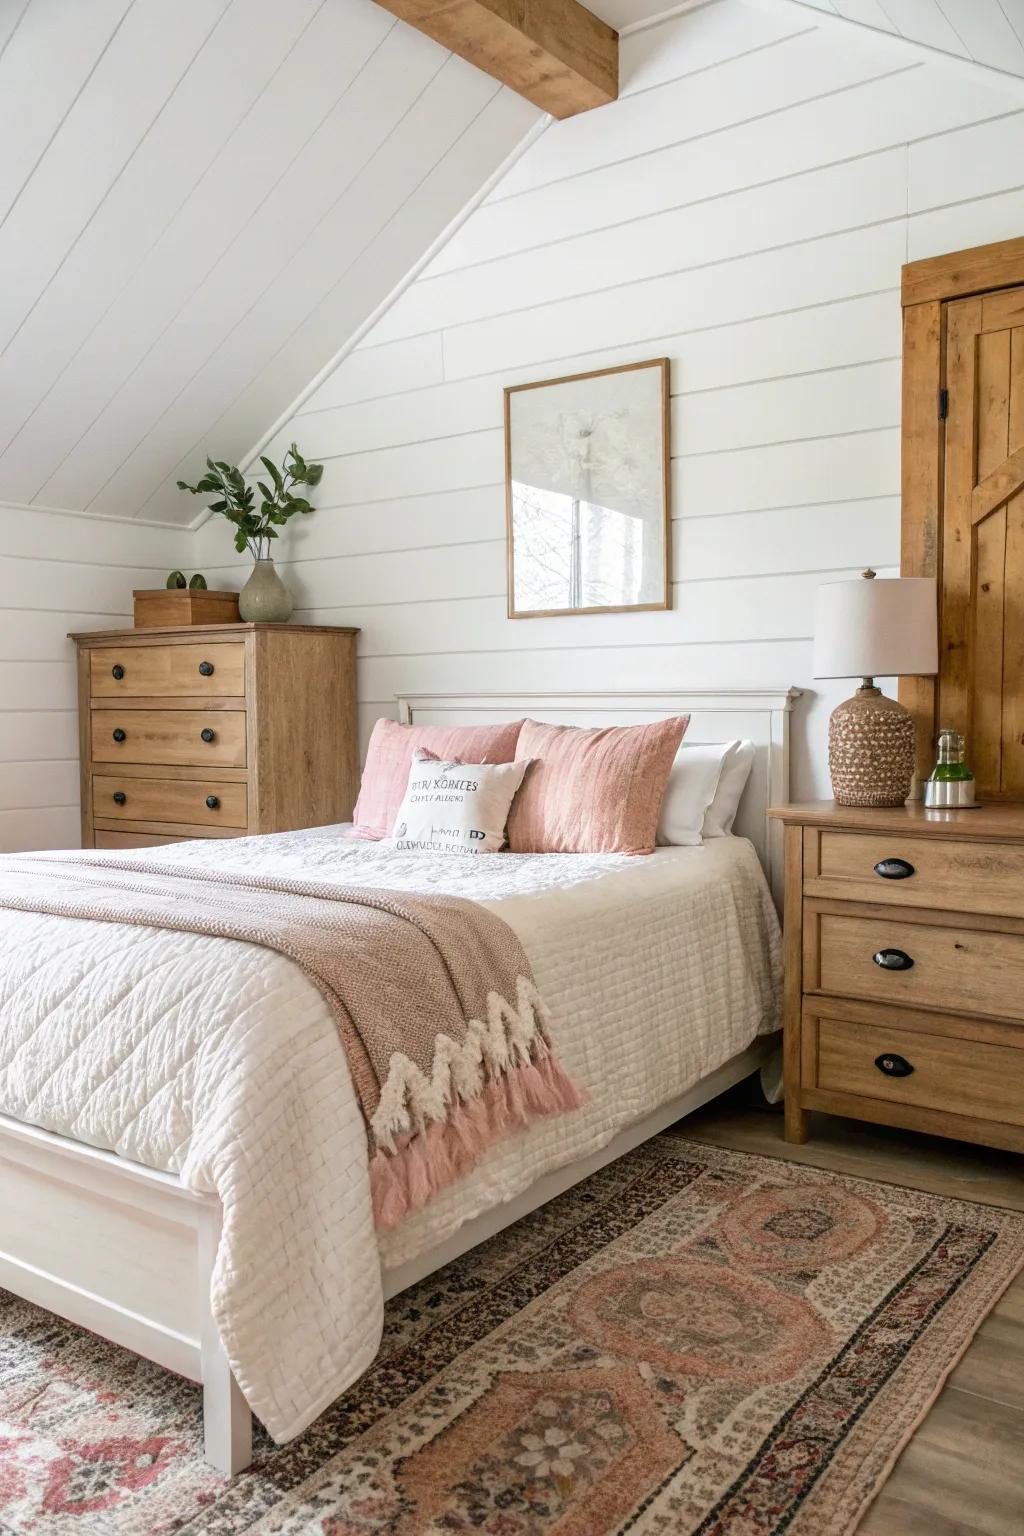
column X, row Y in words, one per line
column 445, row 1033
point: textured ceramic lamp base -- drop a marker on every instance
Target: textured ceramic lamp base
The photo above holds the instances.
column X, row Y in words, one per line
column 871, row 750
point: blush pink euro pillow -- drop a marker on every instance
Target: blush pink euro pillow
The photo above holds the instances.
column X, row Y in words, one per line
column 389, row 758
column 592, row 791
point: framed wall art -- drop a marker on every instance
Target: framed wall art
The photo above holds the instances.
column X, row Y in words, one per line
column 587, row 492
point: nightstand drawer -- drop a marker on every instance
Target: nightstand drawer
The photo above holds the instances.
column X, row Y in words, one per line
column 915, row 871
column 193, row 802
column 185, row 737
column 916, row 964
column 907, row 1066
column 204, row 671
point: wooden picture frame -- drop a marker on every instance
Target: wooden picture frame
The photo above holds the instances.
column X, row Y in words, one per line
column 663, row 600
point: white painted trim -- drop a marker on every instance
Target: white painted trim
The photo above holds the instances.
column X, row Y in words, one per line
column 670, row 13
column 97, row 517
column 762, row 714
column 382, row 308
column 830, row 21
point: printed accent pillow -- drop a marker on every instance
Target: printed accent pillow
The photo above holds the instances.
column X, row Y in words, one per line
column 389, row 757
column 454, row 807
column 592, row 791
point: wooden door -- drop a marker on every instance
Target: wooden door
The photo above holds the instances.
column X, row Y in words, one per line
column 981, row 681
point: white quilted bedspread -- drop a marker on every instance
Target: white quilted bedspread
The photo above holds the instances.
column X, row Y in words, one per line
column 220, row 1061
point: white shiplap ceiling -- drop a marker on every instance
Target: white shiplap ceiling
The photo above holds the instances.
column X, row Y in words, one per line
column 989, row 32
column 203, row 201
column 200, row 202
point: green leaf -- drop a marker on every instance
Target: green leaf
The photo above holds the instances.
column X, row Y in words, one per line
column 314, row 474
column 175, row 581
column 270, row 533
column 198, row 583
column 274, row 473
column 240, row 541
column 266, row 492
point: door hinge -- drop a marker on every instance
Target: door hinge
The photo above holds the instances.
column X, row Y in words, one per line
column 943, row 404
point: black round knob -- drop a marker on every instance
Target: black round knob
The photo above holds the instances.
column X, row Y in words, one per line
column 212, row 802
column 119, row 797
column 117, row 672
column 207, row 734
column 206, row 669
column 118, row 734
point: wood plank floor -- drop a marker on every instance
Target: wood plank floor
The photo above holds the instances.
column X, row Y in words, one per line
column 963, row 1472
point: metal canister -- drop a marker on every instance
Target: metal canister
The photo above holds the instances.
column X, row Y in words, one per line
column 949, row 794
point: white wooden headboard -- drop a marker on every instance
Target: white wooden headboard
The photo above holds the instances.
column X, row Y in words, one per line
column 761, row 715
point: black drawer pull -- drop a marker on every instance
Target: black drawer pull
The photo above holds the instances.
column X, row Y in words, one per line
column 894, row 869
column 206, row 735
column 118, row 735
column 119, row 797
column 206, row 669
column 892, row 960
column 117, row 672
column 893, row 1066
column 213, row 803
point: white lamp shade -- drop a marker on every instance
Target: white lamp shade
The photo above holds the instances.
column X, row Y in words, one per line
column 876, row 628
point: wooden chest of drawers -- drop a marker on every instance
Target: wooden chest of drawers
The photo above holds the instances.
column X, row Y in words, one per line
column 215, row 731
column 905, row 969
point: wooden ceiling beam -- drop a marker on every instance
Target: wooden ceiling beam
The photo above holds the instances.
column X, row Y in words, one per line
column 554, row 52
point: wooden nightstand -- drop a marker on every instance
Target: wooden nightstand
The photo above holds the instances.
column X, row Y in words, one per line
column 215, row 730
column 904, row 985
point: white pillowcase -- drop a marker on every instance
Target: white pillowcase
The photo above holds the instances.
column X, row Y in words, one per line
column 736, row 766
column 456, row 807
column 703, row 791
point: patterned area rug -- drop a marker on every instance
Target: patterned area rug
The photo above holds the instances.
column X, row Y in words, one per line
column 693, row 1342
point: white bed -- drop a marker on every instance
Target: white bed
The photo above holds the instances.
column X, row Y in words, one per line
column 231, row 1238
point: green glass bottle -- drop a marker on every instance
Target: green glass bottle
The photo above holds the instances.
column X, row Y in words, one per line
column 951, row 783
column 951, row 766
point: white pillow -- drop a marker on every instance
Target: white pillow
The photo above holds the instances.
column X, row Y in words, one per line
column 703, row 791
column 739, row 759
column 452, row 807
column 692, row 783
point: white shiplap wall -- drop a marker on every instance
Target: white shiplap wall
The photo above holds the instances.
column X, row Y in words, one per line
column 57, row 573
column 744, row 209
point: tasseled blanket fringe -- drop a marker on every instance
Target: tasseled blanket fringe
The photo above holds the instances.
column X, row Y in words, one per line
column 427, row 1161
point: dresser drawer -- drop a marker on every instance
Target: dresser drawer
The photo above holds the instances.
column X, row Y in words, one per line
column 185, row 737
column 169, row 800
column 908, row 1066
column 168, row 671
column 132, row 839
column 956, row 969
column 916, row 871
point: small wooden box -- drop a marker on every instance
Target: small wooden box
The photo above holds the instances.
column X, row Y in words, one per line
column 168, row 606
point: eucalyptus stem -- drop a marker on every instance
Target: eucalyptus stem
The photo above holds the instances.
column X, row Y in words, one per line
column 255, row 529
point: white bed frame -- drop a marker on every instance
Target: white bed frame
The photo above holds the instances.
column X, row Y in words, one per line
column 128, row 1252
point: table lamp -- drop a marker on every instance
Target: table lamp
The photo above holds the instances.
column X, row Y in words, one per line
column 872, row 628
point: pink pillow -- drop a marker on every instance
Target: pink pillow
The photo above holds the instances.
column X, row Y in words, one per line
column 592, row 791
column 389, row 758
